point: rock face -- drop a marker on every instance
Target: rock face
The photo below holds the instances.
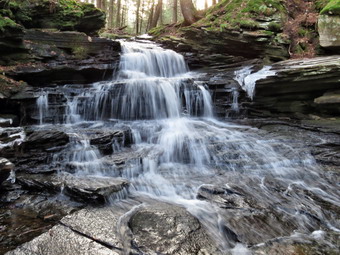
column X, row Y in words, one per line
column 329, row 27
column 299, row 88
column 66, row 57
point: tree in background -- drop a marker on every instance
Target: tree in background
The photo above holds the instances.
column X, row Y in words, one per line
column 139, row 16
column 174, row 11
column 189, row 12
column 157, row 14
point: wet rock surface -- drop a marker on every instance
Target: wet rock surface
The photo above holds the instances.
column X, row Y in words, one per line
column 5, row 169
column 296, row 87
column 90, row 189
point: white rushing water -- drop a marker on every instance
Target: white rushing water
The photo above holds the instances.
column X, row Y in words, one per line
column 247, row 79
column 178, row 146
column 42, row 105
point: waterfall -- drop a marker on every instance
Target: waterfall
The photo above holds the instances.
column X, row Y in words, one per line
column 178, row 147
column 42, row 105
column 247, row 79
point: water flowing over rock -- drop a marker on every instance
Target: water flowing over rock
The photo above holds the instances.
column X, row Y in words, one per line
column 187, row 183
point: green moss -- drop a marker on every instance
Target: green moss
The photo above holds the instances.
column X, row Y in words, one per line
column 6, row 22
column 332, row 8
column 249, row 24
column 80, row 52
column 61, row 14
column 275, row 27
column 241, row 14
column 157, row 31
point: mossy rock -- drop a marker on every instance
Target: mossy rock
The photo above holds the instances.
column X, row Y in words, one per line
column 236, row 14
column 65, row 15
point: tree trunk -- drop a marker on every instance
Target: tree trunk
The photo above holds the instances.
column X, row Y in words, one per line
column 214, row 2
column 137, row 17
column 148, row 27
column 110, row 18
column 189, row 12
column 157, row 14
column 99, row 4
column 174, row 11
column 118, row 13
column 206, row 5
column 141, row 17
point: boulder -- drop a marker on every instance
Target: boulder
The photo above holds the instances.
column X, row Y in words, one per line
column 169, row 229
column 328, row 28
column 6, row 167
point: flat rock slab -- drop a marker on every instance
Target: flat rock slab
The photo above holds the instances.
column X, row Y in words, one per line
column 98, row 223
column 61, row 240
column 90, row 189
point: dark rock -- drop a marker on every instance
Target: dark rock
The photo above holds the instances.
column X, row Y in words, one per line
column 5, row 169
column 44, row 139
column 87, row 189
column 297, row 88
column 66, row 57
column 107, row 143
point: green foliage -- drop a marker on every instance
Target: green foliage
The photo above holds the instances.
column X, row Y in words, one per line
column 332, row 8
column 320, row 4
column 302, row 32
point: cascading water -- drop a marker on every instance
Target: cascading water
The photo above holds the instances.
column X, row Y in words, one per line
column 42, row 105
column 247, row 79
column 181, row 148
